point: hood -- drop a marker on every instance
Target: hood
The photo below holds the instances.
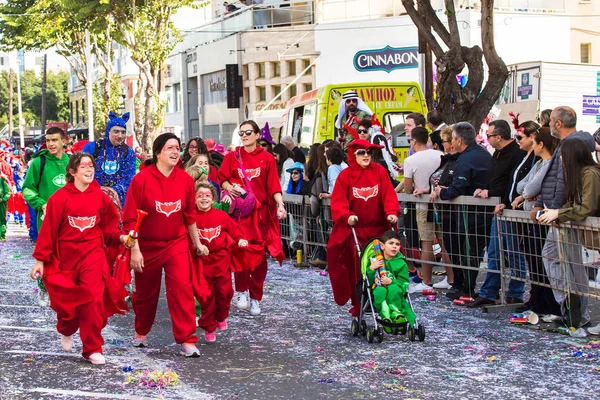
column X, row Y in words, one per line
column 70, row 187
column 358, row 145
column 256, row 151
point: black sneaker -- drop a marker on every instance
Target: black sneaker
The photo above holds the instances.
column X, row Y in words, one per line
column 454, row 293
column 523, row 308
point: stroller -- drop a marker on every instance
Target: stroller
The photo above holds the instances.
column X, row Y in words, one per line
column 375, row 331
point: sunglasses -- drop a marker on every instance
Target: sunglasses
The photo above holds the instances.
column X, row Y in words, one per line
column 263, row 144
column 363, row 131
column 351, row 101
column 363, row 152
column 248, row 132
column 295, row 173
column 489, row 136
column 518, row 137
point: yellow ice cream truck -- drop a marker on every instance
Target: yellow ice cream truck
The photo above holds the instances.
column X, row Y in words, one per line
column 310, row 117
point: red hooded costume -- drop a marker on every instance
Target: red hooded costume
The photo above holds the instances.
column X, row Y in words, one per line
column 368, row 194
column 71, row 245
column 163, row 240
column 262, row 226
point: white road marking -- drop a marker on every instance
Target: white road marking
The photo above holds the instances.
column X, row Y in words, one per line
column 17, row 306
column 43, row 353
column 90, row 394
column 26, row 328
column 30, row 291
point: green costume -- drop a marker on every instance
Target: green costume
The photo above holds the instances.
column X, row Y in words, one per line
column 390, row 302
column 38, row 189
column 4, row 196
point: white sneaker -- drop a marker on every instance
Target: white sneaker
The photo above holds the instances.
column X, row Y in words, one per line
column 189, row 350
column 412, row 287
column 254, row 307
column 241, row 300
column 97, row 359
column 43, row 298
column 442, row 285
column 594, row 330
column 66, row 342
column 421, row 286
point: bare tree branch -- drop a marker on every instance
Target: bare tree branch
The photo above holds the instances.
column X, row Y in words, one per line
column 432, row 18
column 423, row 27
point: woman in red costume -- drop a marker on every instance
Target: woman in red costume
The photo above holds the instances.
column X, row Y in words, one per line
column 262, row 226
column 363, row 197
column 69, row 251
column 166, row 193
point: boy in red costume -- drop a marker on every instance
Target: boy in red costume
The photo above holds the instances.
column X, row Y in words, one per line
column 363, row 197
column 166, row 193
column 262, row 226
column 221, row 235
column 69, row 251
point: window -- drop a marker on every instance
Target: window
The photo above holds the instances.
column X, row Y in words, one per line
column 586, row 53
column 262, row 93
column 177, row 97
column 291, row 68
column 307, row 87
column 71, row 111
column 246, row 95
column 276, row 90
column 245, row 72
column 83, row 110
column 293, row 91
column 276, row 69
column 261, row 70
column 76, row 111
column 306, row 65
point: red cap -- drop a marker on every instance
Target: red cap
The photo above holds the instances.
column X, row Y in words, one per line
column 363, row 144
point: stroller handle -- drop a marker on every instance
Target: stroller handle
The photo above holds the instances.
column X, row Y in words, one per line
column 356, row 244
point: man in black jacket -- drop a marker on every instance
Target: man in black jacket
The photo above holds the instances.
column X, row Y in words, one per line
column 471, row 172
column 506, row 157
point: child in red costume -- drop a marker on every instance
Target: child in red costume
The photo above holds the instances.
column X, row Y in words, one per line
column 166, row 193
column 221, row 235
column 363, row 197
column 69, row 251
column 262, row 226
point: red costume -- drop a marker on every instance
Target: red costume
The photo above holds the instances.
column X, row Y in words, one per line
column 163, row 240
column 262, row 227
column 71, row 245
column 368, row 194
column 220, row 234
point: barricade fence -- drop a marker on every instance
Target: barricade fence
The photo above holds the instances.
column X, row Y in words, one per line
column 466, row 238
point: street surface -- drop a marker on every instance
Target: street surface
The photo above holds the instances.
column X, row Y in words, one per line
column 300, row 348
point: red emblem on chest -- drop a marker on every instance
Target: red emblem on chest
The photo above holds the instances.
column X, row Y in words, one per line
column 82, row 223
column 365, row 193
column 251, row 173
column 210, row 233
column 168, row 208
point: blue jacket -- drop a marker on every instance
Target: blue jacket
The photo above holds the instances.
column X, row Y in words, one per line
column 471, row 172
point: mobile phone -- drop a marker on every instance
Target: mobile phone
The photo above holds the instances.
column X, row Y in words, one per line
column 539, row 214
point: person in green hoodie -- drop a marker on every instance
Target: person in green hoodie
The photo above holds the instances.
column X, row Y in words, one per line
column 4, row 196
column 390, row 279
column 46, row 174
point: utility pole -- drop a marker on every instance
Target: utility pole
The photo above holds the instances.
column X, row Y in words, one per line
column 21, row 133
column 11, row 90
column 44, row 64
column 90, row 79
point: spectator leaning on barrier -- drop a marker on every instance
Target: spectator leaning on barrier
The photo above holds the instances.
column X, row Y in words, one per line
column 413, row 120
column 582, row 180
column 563, row 121
column 471, row 172
column 417, row 171
column 335, row 158
column 520, row 153
column 541, row 299
column 296, row 184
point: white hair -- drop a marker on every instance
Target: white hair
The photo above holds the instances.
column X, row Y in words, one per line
column 287, row 140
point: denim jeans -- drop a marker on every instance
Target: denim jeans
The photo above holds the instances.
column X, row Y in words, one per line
column 516, row 261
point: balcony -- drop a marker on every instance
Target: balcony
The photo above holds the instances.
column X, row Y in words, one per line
column 270, row 14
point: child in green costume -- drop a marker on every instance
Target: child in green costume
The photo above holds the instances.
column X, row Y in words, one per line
column 390, row 294
column 4, row 196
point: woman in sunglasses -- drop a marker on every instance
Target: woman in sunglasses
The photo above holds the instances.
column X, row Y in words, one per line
column 363, row 198
column 261, row 226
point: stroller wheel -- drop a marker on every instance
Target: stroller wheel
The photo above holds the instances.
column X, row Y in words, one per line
column 363, row 327
column 370, row 334
column 411, row 334
column 395, row 331
column 354, row 327
column 403, row 330
column 379, row 334
column 421, row 332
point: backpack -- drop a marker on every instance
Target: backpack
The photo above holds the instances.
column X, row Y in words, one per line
column 42, row 165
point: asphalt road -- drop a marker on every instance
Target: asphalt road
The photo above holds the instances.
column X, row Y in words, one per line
column 300, row 348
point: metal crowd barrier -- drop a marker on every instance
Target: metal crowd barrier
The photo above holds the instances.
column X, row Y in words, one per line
column 463, row 229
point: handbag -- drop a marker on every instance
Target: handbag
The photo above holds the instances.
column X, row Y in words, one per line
column 242, row 207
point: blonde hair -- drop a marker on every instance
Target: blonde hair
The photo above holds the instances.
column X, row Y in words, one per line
column 206, row 185
column 195, row 171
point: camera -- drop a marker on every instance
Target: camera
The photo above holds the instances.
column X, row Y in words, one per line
column 539, row 214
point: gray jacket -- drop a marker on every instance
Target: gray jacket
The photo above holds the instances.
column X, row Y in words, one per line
column 553, row 185
column 530, row 186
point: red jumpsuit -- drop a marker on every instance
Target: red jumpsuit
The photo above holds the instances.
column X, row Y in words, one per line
column 163, row 240
column 262, row 227
column 368, row 194
column 220, row 234
column 71, row 245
